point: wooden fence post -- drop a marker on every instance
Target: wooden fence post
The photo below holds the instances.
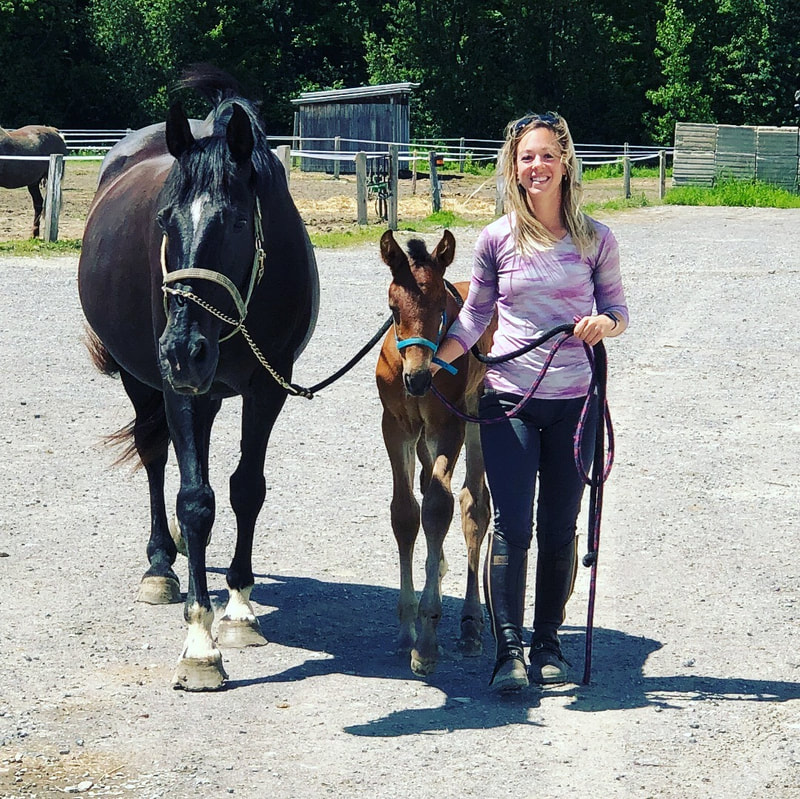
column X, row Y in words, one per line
column 499, row 186
column 461, row 154
column 284, row 152
column 337, row 146
column 52, row 200
column 436, row 192
column 361, row 187
column 626, row 173
column 662, row 174
column 579, row 175
column 393, row 200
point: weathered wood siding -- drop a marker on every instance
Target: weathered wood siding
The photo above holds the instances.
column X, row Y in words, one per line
column 707, row 153
column 693, row 161
column 372, row 123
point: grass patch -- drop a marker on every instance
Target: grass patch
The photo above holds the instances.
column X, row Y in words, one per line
column 36, row 247
column 741, row 193
column 621, row 204
column 368, row 234
column 606, row 171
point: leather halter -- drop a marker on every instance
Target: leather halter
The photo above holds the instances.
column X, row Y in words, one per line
column 256, row 273
column 402, row 343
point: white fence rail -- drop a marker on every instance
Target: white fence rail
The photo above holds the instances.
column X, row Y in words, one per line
column 433, row 153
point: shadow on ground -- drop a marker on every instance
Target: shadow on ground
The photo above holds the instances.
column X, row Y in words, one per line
column 355, row 625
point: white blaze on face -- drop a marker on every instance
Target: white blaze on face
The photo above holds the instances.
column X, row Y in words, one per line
column 197, row 211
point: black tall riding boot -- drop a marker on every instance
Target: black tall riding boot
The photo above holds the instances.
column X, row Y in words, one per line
column 504, row 578
column 555, row 581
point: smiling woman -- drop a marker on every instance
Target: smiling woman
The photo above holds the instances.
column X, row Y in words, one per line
column 542, row 265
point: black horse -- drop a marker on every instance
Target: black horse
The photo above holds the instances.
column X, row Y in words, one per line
column 199, row 283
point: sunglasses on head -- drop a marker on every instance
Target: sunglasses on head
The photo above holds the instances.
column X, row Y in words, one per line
column 550, row 118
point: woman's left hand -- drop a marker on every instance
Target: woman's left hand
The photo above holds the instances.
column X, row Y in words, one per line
column 593, row 329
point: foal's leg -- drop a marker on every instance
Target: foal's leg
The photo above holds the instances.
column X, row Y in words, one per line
column 239, row 626
column 474, row 502
column 190, row 418
column 160, row 584
column 437, row 513
column 404, row 511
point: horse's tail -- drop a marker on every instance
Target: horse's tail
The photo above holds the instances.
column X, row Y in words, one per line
column 144, row 439
column 101, row 357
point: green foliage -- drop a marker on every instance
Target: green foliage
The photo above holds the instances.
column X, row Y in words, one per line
column 617, row 70
column 750, row 194
column 682, row 96
column 604, row 171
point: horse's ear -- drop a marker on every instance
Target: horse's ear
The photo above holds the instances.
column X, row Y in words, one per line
column 239, row 135
column 392, row 253
column 179, row 134
column 445, row 250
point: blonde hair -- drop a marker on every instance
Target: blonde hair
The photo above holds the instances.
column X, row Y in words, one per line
column 530, row 234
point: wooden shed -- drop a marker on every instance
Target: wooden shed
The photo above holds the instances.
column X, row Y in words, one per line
column 366, row 118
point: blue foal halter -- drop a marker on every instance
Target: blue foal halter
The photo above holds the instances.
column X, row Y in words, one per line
column 425, row 342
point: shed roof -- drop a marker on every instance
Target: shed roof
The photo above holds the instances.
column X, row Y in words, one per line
column 357, row 93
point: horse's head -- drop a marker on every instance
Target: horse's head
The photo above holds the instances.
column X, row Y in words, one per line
column 211, row 248
column 417, row 299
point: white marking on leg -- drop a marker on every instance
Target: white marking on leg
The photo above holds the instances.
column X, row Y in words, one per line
column 199, row 643
column 239, row 607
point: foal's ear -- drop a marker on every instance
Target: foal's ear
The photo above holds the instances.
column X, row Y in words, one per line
column 239, row 135
column 445, row 250
column 392, row 253
column 179, row 134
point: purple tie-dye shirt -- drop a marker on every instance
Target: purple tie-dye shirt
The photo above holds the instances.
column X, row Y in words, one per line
column 534, row 294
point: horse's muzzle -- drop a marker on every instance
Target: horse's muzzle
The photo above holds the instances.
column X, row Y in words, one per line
column 417, row 382
column 187, row 358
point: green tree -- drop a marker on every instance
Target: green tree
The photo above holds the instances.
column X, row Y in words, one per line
column 40, row 46
column 682, row 96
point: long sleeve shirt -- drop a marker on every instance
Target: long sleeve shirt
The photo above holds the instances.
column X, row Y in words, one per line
column 532, row 294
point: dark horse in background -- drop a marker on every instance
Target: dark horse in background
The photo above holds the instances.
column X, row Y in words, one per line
column 416, row 425
column 193, row 234
column 32, row 140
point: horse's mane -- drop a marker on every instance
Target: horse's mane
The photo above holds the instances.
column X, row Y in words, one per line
column 417, row 250
column 223, row 92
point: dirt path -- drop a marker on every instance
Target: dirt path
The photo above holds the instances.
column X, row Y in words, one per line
column 696, row 678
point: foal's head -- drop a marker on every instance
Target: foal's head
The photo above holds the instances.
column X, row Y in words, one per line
column 209, row 218
column 417, row 299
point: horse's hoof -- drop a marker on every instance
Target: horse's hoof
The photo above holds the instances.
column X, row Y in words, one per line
column 470, row 647
column 239, row 633
column 421, row 666
column 199, row 674
column 470, row 644
column 159, row 590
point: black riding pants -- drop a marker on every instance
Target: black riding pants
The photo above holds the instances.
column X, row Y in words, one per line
column 539, row 442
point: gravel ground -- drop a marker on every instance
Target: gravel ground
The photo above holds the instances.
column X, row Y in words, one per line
column 696, row 669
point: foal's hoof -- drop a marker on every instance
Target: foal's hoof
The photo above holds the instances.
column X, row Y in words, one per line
column 470, row 647
column 239, row 633
column 470, row 644
column 199, row 674
column 159, row 590
column 421, row 666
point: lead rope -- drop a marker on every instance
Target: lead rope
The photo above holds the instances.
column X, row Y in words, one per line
column 601, row 465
